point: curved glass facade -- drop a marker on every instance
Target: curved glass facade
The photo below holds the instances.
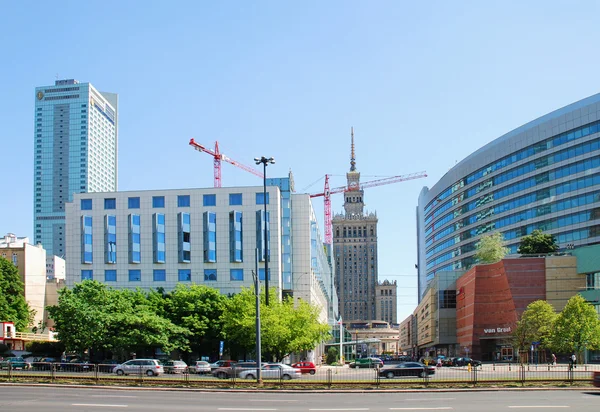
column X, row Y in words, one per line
column 544, row 175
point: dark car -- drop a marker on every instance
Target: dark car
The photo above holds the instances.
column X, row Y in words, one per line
column 76, row 365
column 15, row 362
column 407, row 369
column 43, row 364
column 234, row 370
column 466, row 361
column 370, row 362
column 107, row 365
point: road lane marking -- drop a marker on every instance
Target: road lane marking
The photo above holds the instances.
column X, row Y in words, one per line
column 273, row 400
column 246, row 409
column 341, row 409
column 100, row 405
column 430, row 399
column 112, row 396
column 539, row 406
column 440, row 408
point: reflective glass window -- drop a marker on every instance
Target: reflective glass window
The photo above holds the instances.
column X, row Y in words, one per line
column 236, row 274
column 133, row 202
column 260, row 198
column 209, row 200
column 210, row 275
column 135, row 275
column 110, row 275
column 86, row 204
column 110, row 204
column 87, row 274
column 235, row 199
column 183, row 201
column 184, row 275
column 159, row 275
column 158, row 201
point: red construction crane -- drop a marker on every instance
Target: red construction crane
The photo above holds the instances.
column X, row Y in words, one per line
column 217, row 157
column 372, row 183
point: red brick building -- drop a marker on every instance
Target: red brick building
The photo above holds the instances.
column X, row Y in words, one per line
column 489, row 301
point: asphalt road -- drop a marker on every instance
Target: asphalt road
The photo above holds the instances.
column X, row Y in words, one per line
column 55, row 399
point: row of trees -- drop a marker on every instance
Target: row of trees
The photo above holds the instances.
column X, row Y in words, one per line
column 574, row 329
column 191, row 319
column 491, row 248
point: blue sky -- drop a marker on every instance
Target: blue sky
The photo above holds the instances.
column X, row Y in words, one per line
column 423, row 83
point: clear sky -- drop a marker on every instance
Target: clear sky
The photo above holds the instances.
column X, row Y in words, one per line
column 423, row 83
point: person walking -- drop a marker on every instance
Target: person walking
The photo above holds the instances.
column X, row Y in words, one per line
column 553, row 359
column 574, row 360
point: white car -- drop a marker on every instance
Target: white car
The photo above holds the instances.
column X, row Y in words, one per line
column 200, row 367
column 150, row 367
column 272, row 371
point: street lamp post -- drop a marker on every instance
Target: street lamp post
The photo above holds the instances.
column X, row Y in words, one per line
column 265, row 161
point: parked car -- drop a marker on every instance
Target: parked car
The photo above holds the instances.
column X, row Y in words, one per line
column 223, row 363
column 43, row 364
column 272, row 371
column 200, row 367
column 370, row 362
column 107, row 365
column 466, row 361
column 234, row 370
column 175, row 366
column 15, row 362
column 150, row 367
column 407, row 369
column 305, row 367
column 76, row 365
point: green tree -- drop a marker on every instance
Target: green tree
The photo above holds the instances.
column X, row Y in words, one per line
column 286, row 326
column 92, row 316
column 198, row 309
column 535, row 325
column 490, row 248
column 332, row 355
column 576, row 328
column 13, row 306
column 537, row 243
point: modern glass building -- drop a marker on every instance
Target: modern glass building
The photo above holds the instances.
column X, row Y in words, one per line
column 76, row 129
column 211, row 236
column 543, row 175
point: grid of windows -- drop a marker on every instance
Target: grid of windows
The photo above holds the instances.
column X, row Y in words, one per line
column 534, row 181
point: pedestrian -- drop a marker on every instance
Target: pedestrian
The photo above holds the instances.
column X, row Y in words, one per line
column 553, row 360
column 574, row 360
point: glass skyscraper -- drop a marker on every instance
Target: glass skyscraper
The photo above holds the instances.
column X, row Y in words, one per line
column 543, row 175
column 76, row 134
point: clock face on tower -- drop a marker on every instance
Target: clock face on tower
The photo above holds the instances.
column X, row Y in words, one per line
column 353, row 185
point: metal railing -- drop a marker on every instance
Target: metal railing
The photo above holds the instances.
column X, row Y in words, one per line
column 325, row 377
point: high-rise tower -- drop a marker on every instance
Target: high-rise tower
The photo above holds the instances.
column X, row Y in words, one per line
column 76, row 130
column 355, row 251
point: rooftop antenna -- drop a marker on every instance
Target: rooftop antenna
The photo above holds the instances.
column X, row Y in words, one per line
column 352, row 158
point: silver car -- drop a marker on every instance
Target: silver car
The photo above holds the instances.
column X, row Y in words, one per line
column 272, row 371
column 200, row 367
column 149, row 367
